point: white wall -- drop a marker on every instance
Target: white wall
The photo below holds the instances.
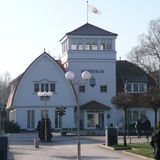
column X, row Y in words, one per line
column 44, row 68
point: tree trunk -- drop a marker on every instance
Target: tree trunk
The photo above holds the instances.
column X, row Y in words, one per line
column 155, row 118
column 125, row 127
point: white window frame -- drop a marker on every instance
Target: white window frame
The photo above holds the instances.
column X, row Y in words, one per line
column 30, row 119
column 133, row 115
column 73, row 47
column 44, row 86
column 94, row 47
column 103, row 88
column 87, row 46
column 109, row 44
column 82, row 88
column 102, row 46
column 131, row 87
column 135, row 88
column 80, row 46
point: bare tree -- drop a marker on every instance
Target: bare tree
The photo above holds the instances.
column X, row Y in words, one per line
column 147, row 54
column 152, row 99
column 5, row 80
column 123, row 101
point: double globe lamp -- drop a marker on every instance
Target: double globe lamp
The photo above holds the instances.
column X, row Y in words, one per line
column 85, row 76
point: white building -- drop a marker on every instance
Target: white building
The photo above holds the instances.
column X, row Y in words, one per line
column 44, row 73
column 85, row 48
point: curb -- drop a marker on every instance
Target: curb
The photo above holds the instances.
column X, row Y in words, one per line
column 136, row 155
column 114, row 148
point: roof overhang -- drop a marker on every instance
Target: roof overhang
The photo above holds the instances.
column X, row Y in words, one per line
column 94, row 105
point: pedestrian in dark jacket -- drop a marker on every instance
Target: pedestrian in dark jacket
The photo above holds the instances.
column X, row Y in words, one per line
column 147, row 127
column 155, row 143
column 38, row 128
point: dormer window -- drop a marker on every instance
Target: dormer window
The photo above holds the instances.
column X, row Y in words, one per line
column 44, row 87
column 129, row 87
column 142, row 87
column 52, row 87
column 47, row 86
column 136, row 87
column 36, row 87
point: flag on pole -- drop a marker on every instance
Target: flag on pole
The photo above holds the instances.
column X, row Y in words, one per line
column 93, row 9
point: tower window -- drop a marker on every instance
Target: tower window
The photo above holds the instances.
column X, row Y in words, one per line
column 94, row 47
column 87, row 47
column 102, row 47
column 80, row 46
column 73, row 47
column 109, row 44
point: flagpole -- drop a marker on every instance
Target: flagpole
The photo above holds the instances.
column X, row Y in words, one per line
column 87, row 11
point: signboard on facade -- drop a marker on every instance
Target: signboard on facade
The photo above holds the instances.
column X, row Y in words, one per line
column 92, row 71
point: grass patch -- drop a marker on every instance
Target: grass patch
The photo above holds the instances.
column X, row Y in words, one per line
column 144, row 149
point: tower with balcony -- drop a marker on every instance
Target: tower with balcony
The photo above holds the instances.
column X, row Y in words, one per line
column 93, row 49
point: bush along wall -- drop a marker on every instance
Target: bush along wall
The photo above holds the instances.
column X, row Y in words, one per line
column 41, row 129
column 11, row 127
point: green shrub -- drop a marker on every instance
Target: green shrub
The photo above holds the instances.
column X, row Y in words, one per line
column 11, row 127
column 41, row 129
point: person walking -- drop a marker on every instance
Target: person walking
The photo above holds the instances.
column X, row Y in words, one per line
column 147, row 127
column 138, row 127
column 155, row 143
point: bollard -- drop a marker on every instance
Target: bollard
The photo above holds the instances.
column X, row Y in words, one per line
column 8, row 135
column 36, row 143
column 3, row 147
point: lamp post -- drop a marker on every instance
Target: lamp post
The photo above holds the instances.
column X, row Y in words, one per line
column 85, row 76
column 45, row 94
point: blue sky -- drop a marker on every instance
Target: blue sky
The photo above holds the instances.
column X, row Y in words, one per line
column 29, row 26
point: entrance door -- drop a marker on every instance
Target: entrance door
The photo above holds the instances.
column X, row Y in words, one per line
column 91, row 121
column 95, row 120
column 30, row 119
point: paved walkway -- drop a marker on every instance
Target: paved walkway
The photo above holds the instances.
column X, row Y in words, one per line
column 64, row 148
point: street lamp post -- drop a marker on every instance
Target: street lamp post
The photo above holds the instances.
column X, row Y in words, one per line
column 45, row 94
column 85, row 76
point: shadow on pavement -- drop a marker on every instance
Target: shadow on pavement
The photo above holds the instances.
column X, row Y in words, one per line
column 87, row 157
